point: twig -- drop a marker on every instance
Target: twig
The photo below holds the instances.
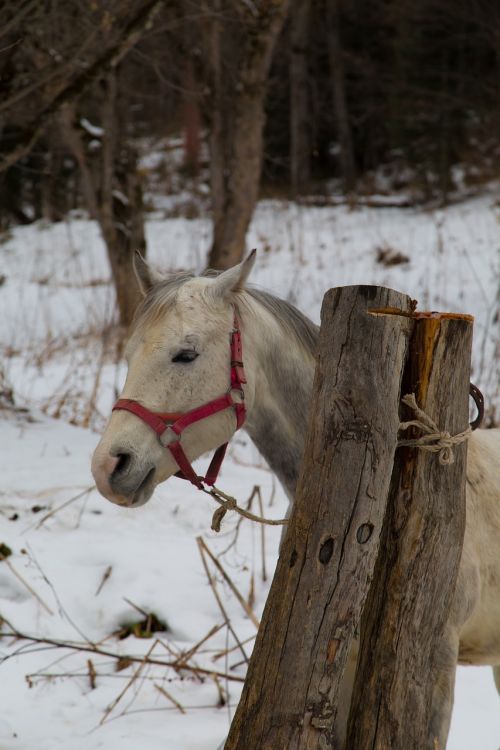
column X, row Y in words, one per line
column 89, row 648
column 135, row 675
column 28, row 587
column 237, row 527
column 248, row 610
column 227, row 651
column 92, row 674
column 222, row 695
column 48, row 515
column 136, row 607
column 262, row 535
column 211, row 581
column 170, row 698
column 53, row 675
column 81, row 82
column 104, row 578
column 251, row 591
column 189, row 654
column 62, row 610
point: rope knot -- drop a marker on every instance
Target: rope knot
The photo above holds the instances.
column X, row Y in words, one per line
column 230, row 503
column 219, row 513
column 433, row 440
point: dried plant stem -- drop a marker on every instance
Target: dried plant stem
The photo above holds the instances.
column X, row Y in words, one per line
column 262, row 534
column 92, row 674
column 91, row 403
column 246, row 607
column 73, row 499
column 89, row 648
column 170, row 698
column 104, row 578
column 28, row 587
column 185, row 656
column 218, row 599
column 223, row 696
column 236, row 531
column 227, row 651
column 133, row 678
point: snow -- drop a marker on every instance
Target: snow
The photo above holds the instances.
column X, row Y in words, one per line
column 56, row 318
column 91, row 129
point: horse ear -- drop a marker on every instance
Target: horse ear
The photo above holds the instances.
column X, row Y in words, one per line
column 234, row 278
column 146, row 277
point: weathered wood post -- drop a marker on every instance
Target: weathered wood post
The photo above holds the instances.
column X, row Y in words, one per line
column 289, row 700
column 405, row 652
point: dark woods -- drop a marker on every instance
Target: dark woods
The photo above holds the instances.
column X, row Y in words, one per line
column 289, row 97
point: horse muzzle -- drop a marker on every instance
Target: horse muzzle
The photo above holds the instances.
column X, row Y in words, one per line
column 122, row 478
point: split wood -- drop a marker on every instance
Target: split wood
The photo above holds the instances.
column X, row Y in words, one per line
column 433, row 440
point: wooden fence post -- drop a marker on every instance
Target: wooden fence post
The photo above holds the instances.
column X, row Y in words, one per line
column 327, row 559
column 402, row 658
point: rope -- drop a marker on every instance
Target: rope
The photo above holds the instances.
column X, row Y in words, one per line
column 433, row 440
column 230, row 503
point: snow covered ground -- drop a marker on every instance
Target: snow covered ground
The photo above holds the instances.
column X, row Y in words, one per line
column 56, row 309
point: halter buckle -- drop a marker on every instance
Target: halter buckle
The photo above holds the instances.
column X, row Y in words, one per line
column 171, row 438
column 234, row 389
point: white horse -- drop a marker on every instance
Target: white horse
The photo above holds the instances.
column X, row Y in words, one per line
column 179, row 358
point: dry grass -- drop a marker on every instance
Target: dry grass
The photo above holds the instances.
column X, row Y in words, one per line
column 113, row 657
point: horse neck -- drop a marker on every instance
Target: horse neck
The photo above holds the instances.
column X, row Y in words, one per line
column 283, row 371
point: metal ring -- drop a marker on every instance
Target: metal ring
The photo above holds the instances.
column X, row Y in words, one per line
column 234, row 389
column 174, row 437
column 479, row 401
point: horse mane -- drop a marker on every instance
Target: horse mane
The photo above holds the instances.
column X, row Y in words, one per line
column 163, row 295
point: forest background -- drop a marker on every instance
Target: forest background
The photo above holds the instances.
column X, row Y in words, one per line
column 317, row 100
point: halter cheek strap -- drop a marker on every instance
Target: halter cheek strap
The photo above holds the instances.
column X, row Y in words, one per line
column 177, row 422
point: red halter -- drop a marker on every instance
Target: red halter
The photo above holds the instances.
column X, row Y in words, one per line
column 177, row 422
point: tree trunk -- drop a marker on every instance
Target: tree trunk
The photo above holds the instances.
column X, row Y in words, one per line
column 241, row 174
column 121, row 216
column 299, row 100
column 347, row 160
column 326, row 563
column 75, row 143
column 236, row 140
column 72, row 87
column 406, row 654
column 191, row 119
column 218, row 144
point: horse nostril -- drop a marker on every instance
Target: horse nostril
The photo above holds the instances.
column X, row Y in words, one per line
column 124, row 460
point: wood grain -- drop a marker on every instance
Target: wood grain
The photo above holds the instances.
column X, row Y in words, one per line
column 410, row 599
column 327, row 559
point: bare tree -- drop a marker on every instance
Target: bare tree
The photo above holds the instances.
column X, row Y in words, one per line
column 341, row 111
column 299, row 99
column 69, row 49
column 112, row 188
column 71, row 71
column 241, row 39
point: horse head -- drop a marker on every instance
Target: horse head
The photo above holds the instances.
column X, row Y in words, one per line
column 179, row 358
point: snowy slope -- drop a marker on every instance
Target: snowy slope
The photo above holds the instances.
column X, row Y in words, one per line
column 54, row 305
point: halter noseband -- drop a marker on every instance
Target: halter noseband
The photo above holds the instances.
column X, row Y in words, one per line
column 178, row 421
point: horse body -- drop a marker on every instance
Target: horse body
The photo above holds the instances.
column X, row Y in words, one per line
column 194, row 315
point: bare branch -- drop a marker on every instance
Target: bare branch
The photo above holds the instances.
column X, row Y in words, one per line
column 109, row 59
column 89, row 648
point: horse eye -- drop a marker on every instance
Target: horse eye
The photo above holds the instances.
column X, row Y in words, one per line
column 186, row 355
